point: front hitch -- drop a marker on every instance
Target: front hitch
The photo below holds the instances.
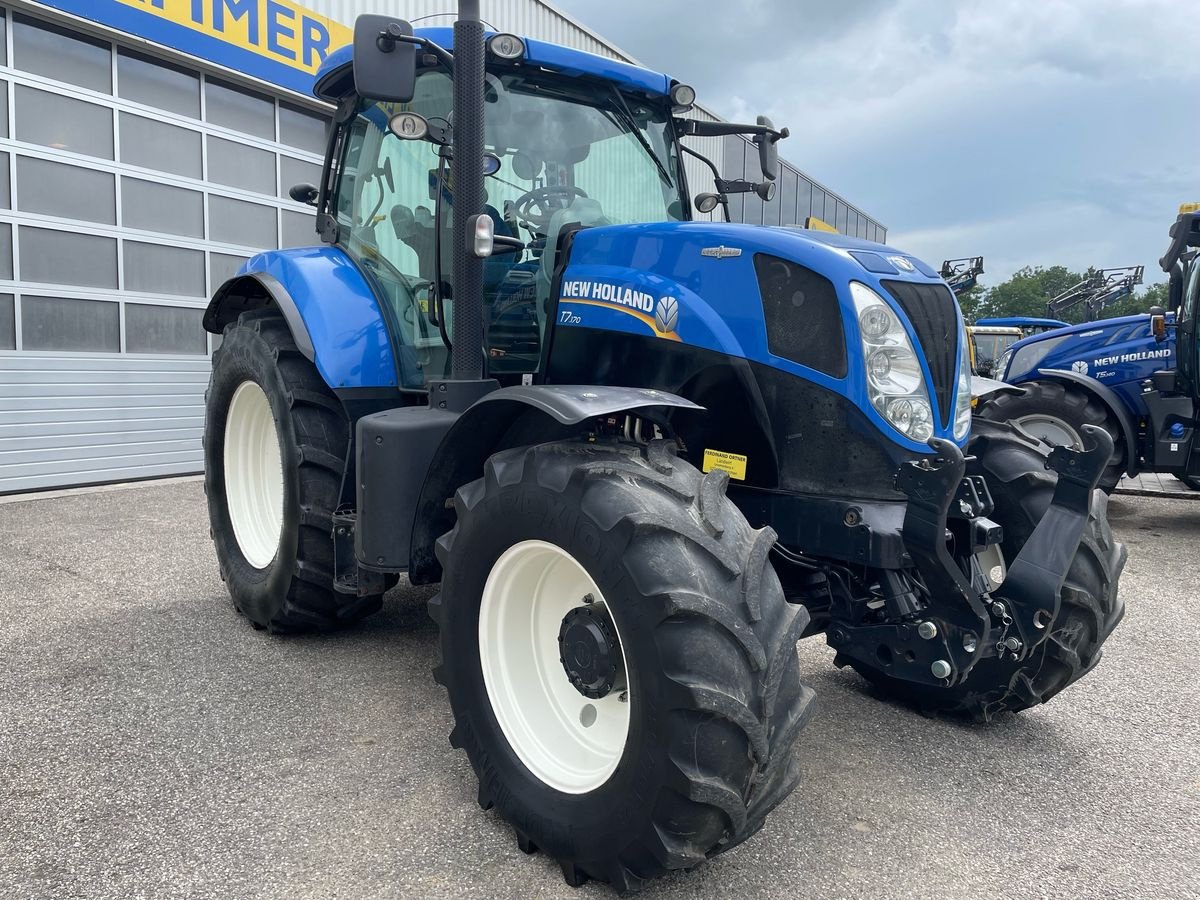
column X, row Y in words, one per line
column 1032, row 588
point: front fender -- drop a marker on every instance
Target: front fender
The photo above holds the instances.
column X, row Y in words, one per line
column 509, row 417
column 1112, row 400
column 329, row 306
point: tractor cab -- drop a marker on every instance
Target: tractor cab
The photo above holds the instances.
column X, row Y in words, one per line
column 987, row 343
column 571, row 141
column 1174, row 394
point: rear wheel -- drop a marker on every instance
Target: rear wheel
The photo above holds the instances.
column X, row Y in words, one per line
column 1056, row 413
column 275, row 443
column 1014, row 466
column 620, row 660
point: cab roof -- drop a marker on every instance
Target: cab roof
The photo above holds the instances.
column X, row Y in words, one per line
column 1022, row 322
column 333, row 77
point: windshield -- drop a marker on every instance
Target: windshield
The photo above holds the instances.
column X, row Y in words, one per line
column 609, row 148
column 572, row 152
column 988, row 347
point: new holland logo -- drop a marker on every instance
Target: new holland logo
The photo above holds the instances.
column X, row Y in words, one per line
column 1080, row 366
column 902, row 264
column 661, row 316
column 721, row 252
column 666, row 314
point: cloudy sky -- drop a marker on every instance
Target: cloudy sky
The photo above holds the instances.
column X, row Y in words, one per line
column 1033, row 132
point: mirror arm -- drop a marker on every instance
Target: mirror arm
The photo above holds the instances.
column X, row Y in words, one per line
column 700, row 128
column 712, row 167
column 445, row 57
column 734, row 186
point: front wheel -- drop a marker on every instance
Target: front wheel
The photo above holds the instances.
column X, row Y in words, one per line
column 1056, row 413
column 619, row 657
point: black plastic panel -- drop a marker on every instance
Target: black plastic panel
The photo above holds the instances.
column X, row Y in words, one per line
column 804, row 319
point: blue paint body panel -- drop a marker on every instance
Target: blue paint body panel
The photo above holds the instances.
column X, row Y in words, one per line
column 563, row 60
column 1120, row 353
column 719, row 307
column 344, row 320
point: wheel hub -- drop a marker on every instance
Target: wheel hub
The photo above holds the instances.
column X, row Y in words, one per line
column 589, row 651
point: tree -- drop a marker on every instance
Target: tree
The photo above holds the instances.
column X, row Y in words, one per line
column 1028, row 291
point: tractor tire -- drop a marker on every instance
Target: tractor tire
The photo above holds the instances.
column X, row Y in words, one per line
column 665, row 583
column 1055, row 412
column 1014, row 465
column 1191, row 481
column 275, row 444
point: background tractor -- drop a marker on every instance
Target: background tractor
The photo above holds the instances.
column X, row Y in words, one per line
column 643, row 455
column 1133, row 376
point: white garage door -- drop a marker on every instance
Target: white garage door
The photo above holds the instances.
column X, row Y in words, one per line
column 130, row 187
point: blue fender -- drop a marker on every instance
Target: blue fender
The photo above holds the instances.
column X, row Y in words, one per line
column 329, row 306
column 1112, row 400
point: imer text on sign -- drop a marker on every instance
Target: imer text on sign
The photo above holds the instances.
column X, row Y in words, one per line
column 276, row 40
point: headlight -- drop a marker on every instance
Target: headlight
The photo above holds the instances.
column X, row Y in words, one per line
column 895, row 383
column 962, row 401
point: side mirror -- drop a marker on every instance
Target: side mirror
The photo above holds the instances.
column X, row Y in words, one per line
column 385, row 63
column 706, row 203
column 304, row 193
column 768, row 151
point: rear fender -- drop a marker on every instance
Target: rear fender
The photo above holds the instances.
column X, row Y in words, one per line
column 510, row 417
column 334, row 316
column 1110, row 399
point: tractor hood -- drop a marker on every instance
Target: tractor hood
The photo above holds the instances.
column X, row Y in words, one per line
column 780, row 297
column 1120, row 353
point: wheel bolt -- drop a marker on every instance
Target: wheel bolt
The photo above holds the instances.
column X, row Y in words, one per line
column 927, row 630
column 940, row 668
column 970, row 642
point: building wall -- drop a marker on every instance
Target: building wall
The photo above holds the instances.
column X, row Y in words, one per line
column 134, row 180
column 129, row 189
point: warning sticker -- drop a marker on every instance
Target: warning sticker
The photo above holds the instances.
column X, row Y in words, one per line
column 733, row 463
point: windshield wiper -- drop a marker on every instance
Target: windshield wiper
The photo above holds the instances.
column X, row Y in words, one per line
column 626, row 116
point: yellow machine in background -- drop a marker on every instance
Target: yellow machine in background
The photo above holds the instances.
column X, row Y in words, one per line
column 987, row 344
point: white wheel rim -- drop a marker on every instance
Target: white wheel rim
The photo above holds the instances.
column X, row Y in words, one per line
column 1052, row 430
column 531, row 587
column 253, row 475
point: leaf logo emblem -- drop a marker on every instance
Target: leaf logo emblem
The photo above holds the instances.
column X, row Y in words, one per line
column 666, row 315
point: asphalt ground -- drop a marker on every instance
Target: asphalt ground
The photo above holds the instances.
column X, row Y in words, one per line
column 153, row 745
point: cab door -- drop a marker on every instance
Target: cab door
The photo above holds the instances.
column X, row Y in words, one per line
column 385, row 207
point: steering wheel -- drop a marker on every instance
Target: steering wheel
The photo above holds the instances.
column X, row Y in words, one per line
column 536, row 207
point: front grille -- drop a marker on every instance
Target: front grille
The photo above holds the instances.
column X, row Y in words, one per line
column 932, row 310
column 804, row 319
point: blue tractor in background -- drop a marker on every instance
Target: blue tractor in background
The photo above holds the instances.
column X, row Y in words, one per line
column 643, row 455
column 1128, row 375
column 1029, row 325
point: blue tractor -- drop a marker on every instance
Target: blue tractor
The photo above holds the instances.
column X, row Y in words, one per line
column 643, row 455
column 1128, row 375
